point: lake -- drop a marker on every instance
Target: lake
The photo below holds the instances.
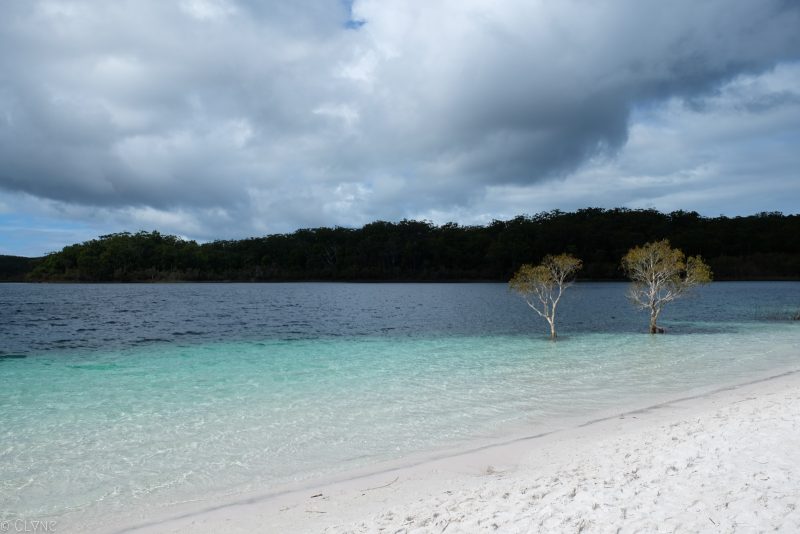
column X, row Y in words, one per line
column 128, row 399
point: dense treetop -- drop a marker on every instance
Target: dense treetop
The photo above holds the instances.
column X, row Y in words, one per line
column 762, row 246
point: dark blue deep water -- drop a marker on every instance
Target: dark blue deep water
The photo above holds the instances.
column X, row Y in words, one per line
column 37, row 318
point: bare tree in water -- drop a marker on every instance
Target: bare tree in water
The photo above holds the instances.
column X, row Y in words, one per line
column 661, row 274
column 542, row 285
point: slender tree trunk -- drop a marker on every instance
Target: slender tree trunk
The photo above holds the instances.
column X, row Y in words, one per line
column 552, row 328
column 654, row 329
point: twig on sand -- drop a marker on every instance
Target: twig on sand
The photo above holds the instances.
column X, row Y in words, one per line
column 315, row 512
column 384, row 486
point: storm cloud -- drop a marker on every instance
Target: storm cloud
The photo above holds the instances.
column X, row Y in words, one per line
column 218, row 118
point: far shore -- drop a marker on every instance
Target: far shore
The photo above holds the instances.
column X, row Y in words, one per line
column 360, row 281
column 722, row 461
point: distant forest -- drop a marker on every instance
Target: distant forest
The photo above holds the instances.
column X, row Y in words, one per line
column 762, row 246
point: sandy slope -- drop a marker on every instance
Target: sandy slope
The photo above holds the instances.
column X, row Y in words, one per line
column 725, row 462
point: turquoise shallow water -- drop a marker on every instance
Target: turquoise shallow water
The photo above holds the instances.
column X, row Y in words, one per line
column 128, row 431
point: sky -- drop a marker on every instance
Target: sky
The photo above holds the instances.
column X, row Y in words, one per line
column 219, row 119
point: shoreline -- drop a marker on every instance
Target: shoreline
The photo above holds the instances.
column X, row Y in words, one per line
column 369, row 493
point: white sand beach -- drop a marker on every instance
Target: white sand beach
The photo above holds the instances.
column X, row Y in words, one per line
column 727, row 461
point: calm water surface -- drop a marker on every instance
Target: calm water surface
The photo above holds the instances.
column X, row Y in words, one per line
column 126, row 399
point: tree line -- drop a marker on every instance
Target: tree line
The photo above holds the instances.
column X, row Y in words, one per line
column 16, row 268
column 762, row 246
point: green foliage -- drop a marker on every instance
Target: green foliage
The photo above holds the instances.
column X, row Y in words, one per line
column 760, row 246
column 528, row 277
column 659, row 265
column 15, row 268
column 554, row 270
column 123, row 257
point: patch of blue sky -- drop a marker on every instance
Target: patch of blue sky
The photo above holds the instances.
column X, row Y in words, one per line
column 33, row 236
column 351, row 23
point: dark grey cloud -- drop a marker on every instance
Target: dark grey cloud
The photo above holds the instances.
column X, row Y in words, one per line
column 717, row 155
column 230, row 117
